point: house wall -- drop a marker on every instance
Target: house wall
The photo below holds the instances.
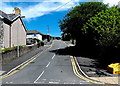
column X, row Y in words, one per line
column 15, row 34
column 38, row 36
column 1, row 33
column 18, row 33
column 6, row 38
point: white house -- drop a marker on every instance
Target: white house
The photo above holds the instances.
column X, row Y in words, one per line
column 34, row 34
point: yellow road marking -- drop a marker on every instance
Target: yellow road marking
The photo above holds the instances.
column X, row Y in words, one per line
column 15, row 71
column 75, row 70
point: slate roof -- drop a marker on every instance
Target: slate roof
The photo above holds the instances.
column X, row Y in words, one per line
column 10, row 17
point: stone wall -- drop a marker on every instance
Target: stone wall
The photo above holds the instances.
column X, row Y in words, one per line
column 1, row 33
column 9, row 56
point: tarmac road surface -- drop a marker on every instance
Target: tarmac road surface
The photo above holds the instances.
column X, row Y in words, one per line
column 47, row 68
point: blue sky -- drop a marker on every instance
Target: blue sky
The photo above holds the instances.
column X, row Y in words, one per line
column 41, row 23
column 41, row 13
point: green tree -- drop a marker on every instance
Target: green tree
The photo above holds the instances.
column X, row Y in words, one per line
column 78, row 16
column 105, row 27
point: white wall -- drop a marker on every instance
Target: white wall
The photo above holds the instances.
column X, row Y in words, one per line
column 6, row 41
column 38, row 36
column 18, row 33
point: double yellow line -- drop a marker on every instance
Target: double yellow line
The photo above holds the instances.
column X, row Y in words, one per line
column 21, row 67
column 16, row 70
column 75, row 70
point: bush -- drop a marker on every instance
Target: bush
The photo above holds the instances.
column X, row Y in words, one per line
column 104, row 28
column 42, row 43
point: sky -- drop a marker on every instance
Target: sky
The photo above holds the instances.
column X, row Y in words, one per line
column 43, row 14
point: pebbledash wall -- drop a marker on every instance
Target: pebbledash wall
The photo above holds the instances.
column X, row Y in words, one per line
column 9, row 56
column 1, row 33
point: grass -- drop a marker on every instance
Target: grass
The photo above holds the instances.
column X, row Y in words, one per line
column 10, row 48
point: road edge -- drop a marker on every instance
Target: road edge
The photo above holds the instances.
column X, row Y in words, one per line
column 25, row 63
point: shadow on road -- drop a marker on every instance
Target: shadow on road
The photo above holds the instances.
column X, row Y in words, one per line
column 75, row 51
column 111, row 56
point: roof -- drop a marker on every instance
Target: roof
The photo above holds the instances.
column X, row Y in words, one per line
column 10, row 18
column 34, row 31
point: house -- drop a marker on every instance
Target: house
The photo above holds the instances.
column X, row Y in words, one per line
column 12, row 29
column 33, row 34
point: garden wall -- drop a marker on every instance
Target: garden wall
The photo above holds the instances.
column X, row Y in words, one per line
column 10, row 55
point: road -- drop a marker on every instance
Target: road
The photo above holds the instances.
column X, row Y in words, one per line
column 47, row 68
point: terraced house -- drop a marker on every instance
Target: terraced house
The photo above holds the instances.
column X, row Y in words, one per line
column 12, row 29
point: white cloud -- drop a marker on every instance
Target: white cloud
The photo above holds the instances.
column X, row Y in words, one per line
column 47, row 6
column 6, row 8
column 111, row 2
column 42, row 8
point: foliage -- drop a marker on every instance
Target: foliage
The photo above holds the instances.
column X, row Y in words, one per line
column 105, row 28
column 11, row 48
column 75, row 19
column 42, row 43
column 7, row 49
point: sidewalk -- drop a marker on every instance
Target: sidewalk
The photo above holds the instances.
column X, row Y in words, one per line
column 9, row 66
column 110, row 80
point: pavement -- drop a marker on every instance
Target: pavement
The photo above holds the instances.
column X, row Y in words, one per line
column 108, row 80
column 111, row 80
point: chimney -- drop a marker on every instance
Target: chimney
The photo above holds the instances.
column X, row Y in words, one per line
column 17, row 11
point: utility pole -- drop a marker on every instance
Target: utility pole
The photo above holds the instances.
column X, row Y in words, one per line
column 48, row 29
column 48, row 33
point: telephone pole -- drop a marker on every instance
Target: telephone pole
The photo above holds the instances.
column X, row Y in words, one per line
column 48, row 33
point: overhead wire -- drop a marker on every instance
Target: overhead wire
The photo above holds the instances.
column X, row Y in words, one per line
column 63, row 5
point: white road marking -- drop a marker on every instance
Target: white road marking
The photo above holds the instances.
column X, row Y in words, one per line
column 53, row 56
column 48, row 64
column 54, row 82
column 7, row 82
column 40, row 82
column 11, row 82
column 39, row 77
column 68, row 83
column 29, row 59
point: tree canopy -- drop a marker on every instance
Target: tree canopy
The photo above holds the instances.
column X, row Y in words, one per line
column 78, row 16
column 105, row 26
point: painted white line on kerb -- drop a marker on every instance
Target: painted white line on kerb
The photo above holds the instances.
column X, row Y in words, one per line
column 39, row 77
column 53, row 56
column 48, row 64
